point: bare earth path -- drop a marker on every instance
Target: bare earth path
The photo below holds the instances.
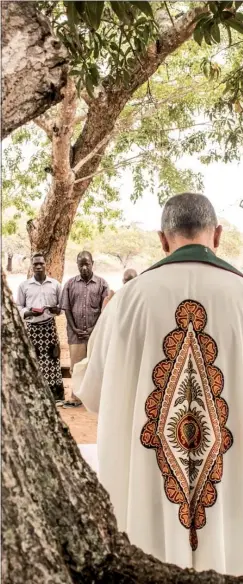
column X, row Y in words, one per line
column 82, row 424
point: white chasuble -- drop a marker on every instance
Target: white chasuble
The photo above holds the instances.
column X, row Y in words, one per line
column 165, row 373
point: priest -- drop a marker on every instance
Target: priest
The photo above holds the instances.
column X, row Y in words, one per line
column 164, row 373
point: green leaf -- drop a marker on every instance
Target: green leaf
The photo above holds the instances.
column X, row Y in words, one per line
column 236, row 25
column 239, row 16
column 71, row 13
column 198, row 35
column 75, row 72
column 144, row 7
column 226, row 15
column 94, row 74
column 93, row 12
column 207, row 37
column 114, row 47
column 141, row 21
column 224, row 5
column 79, row 86
column 203, row 18
column 229, row 33
column 238, row 5
column 215, row 32
column 214, row 7
column 89, row 85
column 120, row 10
column 138, row 44
column 79, row 7
column 207, row 69
column 96, row 49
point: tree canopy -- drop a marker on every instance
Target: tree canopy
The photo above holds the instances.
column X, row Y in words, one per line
column 179, row 111
column 145, row 107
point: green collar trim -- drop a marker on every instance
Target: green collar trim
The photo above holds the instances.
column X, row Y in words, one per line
column 196, row 253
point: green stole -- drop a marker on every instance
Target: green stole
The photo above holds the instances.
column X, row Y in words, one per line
column 196, row 253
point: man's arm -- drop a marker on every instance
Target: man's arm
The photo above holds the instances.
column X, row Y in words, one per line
column 21, row 303
column 104, row 292
column 66, row 305
column 56, row 309
column 69, row 317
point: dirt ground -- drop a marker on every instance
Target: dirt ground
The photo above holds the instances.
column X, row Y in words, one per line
column 82, row 424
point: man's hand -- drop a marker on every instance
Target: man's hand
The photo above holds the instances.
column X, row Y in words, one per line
column 34, row 312
column 82, row 335
column 54, row 310
column 107, row 299
column 28, row 313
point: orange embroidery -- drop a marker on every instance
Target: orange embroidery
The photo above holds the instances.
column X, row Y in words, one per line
column 187, row 417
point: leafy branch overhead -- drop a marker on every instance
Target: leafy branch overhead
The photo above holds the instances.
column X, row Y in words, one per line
column 230, row 18
column 220, row 13
column 102, row 37
column 108, row 37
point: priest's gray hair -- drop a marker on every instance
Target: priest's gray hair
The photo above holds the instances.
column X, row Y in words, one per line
column 188, row 214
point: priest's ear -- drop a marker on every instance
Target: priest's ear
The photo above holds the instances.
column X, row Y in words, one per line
column 217, row 236
column 164, row 242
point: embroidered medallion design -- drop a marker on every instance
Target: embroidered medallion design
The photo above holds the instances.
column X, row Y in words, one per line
column 187, row 417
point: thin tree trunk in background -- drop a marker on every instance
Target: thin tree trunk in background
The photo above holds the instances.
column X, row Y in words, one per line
column 10, row 262
column 34, row 65
column 58, row 525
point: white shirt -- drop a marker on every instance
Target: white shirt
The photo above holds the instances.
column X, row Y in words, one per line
column 146, row 420
column 34, row 294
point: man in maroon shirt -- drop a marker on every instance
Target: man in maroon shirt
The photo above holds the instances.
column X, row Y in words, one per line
column 82, row 300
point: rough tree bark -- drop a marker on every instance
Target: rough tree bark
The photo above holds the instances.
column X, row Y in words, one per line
column 58, row 526
column 50, row 230
column 34, row 65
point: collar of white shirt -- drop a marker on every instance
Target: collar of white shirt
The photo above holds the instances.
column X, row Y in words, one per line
column 34, row 281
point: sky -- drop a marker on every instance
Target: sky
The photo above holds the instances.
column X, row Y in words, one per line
column 223, row 185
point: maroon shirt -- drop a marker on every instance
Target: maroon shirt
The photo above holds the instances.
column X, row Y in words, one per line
column 84, row 300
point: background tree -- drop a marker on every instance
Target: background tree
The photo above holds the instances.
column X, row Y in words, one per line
column 79, row 138
column 57, row 520
column 127, row 243
column 231, row 246
column 123, row 244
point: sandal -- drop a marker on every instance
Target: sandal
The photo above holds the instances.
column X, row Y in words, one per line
column 72, row 404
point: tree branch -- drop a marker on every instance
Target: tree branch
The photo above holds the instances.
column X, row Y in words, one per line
column 63, row 130
column 124, row 163
column 34, row 63
column 45, row 124
column 109, row 103
column 83, row 161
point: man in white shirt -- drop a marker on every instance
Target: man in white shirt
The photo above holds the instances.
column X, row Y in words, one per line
column 38, row 301
column 164, row 371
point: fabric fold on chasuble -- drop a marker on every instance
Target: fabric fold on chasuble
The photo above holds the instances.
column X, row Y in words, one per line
column 164, row 371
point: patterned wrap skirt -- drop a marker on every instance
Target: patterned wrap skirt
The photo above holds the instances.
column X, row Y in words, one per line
column 44, row 337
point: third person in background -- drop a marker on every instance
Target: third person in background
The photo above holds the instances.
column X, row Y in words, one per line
column 128, row 275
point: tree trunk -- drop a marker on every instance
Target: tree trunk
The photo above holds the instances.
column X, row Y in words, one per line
column 34, row 65
column 10, row 262
column 86, row 154
column 57, row 522
column 49, row 232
